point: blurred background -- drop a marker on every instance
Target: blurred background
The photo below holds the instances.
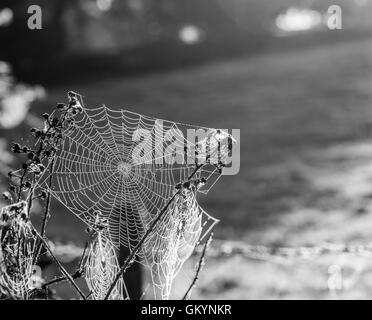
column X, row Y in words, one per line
column 300, row 93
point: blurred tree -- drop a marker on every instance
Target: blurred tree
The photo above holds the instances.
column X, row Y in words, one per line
column 28, row 50
column 82, row 37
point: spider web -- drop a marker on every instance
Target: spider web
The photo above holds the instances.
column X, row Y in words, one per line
column 98, row 169
column 172, row 249
column 101, row 267
column 16, row 251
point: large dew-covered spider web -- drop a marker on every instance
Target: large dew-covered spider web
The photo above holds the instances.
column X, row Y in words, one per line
column 125, row 167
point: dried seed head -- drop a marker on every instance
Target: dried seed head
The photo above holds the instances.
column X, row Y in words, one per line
column 55, row 121
column 27, row 185
column 72, row 94
column 187, row 184
column 7, row 195
column 16, row 148
column 61, row 106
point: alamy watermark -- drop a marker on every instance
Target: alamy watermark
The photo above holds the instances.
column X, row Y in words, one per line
column 198, row 146
column 334, row 21
column 34, row 21
column 332, row 17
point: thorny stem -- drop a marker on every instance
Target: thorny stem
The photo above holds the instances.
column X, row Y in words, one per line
column 31, row 196
column 80, row 265
column 47, row 206
column 74, row 276
column 21, row 185
column 128, row 262
column 46, row 213
column 89, row 294
column 197, row 168
column 199, row 269
column 78, row 273
column 48, row 201
column 61, row 268
column 56, row 280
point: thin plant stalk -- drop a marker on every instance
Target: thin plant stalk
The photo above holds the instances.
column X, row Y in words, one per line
column 61, row 268
column 199, row 268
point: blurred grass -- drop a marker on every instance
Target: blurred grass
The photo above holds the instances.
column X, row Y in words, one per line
column 285, row 104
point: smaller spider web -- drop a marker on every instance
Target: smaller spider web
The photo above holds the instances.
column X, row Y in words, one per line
column 174, row 240
column 101, row 267
column 18, row 244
